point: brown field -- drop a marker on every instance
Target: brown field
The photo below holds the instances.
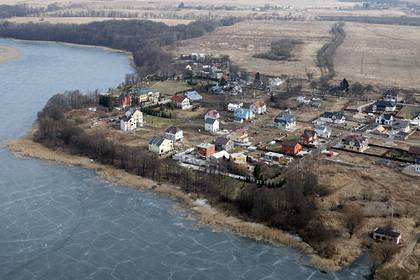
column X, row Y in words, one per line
column 245, row 39
column 84, row 20
column 385, row 55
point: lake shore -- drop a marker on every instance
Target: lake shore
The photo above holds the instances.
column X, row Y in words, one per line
column 205, row 214
column 8, row 53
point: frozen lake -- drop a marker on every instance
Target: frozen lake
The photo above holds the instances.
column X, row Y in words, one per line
column 60, row 222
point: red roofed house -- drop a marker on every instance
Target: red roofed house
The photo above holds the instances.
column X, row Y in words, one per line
column 309, row 136
column 181, row 102
column 291, row 147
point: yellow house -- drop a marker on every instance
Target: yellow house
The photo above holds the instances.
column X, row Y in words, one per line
column 160, row 145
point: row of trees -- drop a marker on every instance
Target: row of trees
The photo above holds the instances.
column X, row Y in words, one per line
column 7, row 11
column 413, row 21
column 290, row 207
column 144, row 39
column 325, row 55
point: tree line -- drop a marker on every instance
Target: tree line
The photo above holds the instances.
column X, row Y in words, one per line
column 290, row 207
column 413, row 21
column 7, row 11
column 325, row 55
column 144, row 39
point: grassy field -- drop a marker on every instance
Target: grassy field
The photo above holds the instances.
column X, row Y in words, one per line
column 386, row 55
column 245, row 39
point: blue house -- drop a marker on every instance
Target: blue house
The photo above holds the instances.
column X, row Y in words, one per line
column 216, row 89
column 285, row 120
column 242, row 114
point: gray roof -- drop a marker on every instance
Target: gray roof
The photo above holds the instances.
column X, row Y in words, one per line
column 383, row 103
column 210, row 121
column 333, row 115
column 220, row 141
column 285, row 118
column 143, row 91
column 157, row 140
column 387, row 232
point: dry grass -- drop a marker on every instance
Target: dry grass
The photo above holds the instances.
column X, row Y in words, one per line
column 245, row 39
column 380, row 54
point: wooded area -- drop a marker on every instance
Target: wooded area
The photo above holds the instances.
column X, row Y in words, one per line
column 144, row 39
column 280, row 50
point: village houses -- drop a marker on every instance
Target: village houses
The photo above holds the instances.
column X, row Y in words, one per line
column 211, row 125
column 332, row 117
column 242, row 114
column 384, row 106
column 206, row 150
column 291, row 147
column 132, row 120
column 223, row 143
column 385, row 119
column 285, row 120
column 175, row 134
column 161, row 145
column 181, row 102
column 323, row 131
column 308, row 137
column 258, row 107
column 239, row 136
column 391, row 95
column 145, row 95
column 357, row 143
column 385, row 234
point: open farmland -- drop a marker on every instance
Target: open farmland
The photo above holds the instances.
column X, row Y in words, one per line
column 380, row 54
column 245, row 39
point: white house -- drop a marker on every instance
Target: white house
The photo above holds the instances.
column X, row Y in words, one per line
column 211, row 125
column 181, row 102
column 232, row 106
column 175, row 134
column 386, row 119
column 401, row 126
column 384, row 105
column 323, row 131
column 258, row 107
column 160, row 145
column 132, row 119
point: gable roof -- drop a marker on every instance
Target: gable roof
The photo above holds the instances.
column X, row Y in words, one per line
column 212, row 114
column 144, row 91
column 290, row 143
column 221, row 141
column 391, row 92
column 386, row 117
column 285, row 118
column 178, row 98
column 387, row 232
column 333, row 115
column 307, row 133
column 355, row 138
column 157, row 140
column 210, row 120
column 172, row 130
column 384, row 103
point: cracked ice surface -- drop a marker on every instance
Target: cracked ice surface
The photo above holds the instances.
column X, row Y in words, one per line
column 59, row 222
